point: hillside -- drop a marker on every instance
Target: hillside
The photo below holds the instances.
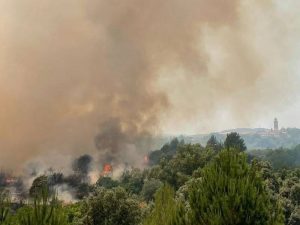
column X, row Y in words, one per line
column 256, row 138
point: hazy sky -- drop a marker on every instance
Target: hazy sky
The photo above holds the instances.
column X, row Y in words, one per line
column 122, row 71
column 271, row 29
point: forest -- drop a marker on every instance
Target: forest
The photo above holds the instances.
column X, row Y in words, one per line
column 256, row 138
column 107, row 109
column 221, row 183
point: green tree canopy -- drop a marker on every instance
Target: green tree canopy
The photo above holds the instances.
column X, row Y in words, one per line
column 230, row 192
column 214, row 144
column 234, row 140
column 295, row 194
column 107, row 182
column 111, row 207
column 180, row 168
column 295, row 217
column 149, row 188
column 132, row 180
column 167, row 151
column 167, row 211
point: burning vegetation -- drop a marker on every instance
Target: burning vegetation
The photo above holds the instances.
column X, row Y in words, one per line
column 85, row 86
column 107, row 170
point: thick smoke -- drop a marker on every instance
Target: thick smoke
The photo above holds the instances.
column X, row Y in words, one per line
column 71, row 71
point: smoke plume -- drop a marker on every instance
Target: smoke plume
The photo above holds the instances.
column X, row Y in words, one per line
column 80, row 76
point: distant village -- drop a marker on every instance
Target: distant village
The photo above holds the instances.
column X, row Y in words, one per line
column 264, row 132
column 255, row 138
column 275, row 131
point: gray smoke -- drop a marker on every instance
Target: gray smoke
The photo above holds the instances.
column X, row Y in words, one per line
column 120, row 71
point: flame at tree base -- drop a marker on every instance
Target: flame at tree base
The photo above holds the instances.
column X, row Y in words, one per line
column 107, row 170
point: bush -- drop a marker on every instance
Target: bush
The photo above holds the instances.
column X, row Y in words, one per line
column 107, row 182
column 149, row 189
column 111, row 207
column 295, row 217
column 295, row 194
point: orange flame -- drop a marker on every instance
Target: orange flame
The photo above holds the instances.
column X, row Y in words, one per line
column 107, row 168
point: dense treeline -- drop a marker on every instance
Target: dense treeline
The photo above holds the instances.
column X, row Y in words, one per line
column 280, row 158
column 186, row 184
column 254, row 138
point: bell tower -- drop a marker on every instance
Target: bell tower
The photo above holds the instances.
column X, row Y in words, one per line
column 275, row 124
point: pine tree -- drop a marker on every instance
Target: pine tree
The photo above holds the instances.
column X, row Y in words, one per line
column 213, row 144
column 167, row 211
column 234, row 140
column 230, row 192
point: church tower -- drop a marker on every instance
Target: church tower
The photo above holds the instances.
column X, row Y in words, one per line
column 276, row 124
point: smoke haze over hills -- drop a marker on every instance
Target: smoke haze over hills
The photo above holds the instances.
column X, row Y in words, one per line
column 103, row 77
